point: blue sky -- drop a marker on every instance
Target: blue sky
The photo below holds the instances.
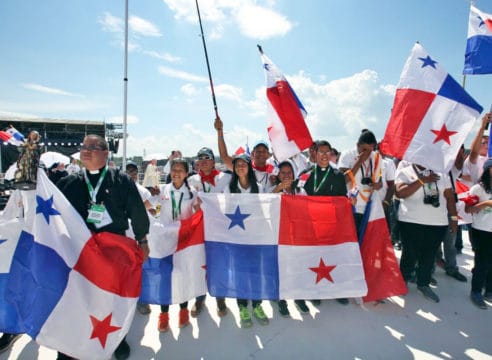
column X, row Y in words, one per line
column 64, row 59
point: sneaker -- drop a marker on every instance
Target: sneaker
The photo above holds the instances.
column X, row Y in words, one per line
column 197, row 308
column 245, row 317
column 163, row 323
column 7, row 340
column 143, row 309
column 457, row 275
column 260, row 315
column 428, row 293
column 122, row 352
column 397, row 246
column 301, row 306
column 433, row 281
column 184, row 319
column 316, row 302
column 343, row 301
column 282, row 308
column 477, row 299
column 221, row 307
column 488, row 296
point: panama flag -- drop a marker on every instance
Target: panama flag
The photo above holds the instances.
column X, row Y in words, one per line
column 74, row 291
column 478, row 54
column 431, row 116
column 16, row 137
column 381, row 267
column 266, row 246
column 175, row 270
column 287, row 129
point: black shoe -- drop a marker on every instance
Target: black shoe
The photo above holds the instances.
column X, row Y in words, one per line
column 488, row 296
column 457, row 275
column 428, row 293
column 122, row 352
column 477, row 299
column 301, row 306
column 433, row 281
column 62, row 356
column 197, row 308
column 282, row 308
column 7, row 340
column 343, row 301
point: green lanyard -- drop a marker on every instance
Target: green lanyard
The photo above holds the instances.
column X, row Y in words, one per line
column 316, row 187
column 176, row 207
column 93, row 192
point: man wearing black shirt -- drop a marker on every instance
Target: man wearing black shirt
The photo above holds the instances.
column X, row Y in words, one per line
column 106, row 198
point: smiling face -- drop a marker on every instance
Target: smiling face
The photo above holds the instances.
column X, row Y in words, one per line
column 285, row 173
column 323, row 156
column 241, row 168
column 260, row 155
column 178, row 174
column 205, row 164
column 93, row 153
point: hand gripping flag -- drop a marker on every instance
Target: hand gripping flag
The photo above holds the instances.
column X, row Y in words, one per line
column 175, row 270
column 287, row 129
column 381, row 268
column 266, row 246
column 478, row 53
column 431, row 116
column 74, row 291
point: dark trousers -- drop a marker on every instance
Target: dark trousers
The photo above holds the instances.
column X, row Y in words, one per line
column 244, row 302
column 165, row 308
column 419, row 245
column 482, row 271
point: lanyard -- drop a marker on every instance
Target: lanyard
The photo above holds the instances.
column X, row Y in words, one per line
column 93, row 191
column 205, row 188
column 316, row 187
column 176, row 207
column 368, row 169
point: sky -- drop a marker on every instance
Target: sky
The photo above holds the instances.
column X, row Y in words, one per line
column 65, row 60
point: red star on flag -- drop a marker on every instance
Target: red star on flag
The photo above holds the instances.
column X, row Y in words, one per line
column 323, row 271
column 102, row 328
column 443, row 134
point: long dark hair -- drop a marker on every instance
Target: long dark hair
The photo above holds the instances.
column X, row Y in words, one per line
column 233, row 185
column 281, row 165
column 485, row 180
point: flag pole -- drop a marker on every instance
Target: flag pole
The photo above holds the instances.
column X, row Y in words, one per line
column 125, row 87
column 206, row 59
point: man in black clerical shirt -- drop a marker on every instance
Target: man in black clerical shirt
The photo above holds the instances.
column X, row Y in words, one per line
column 106, row 198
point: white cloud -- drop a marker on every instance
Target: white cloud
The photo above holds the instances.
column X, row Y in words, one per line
column 68, row 108
column 189, row 90
column 164, row 70
column 164, row 56
column 229, row 92
column 111, row 23
column 254, row 21
column 258, row 22
column 143, row 27
column 17, row 115
column 48, row 90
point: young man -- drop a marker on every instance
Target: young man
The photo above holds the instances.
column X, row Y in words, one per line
column 209, row 180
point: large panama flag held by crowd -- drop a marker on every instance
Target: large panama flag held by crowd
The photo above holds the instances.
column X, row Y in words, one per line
column 73, row 291
column 265, row 246
column 431, row 116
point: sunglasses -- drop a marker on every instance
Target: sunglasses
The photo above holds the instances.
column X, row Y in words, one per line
column 90, row 147
column 204, row 157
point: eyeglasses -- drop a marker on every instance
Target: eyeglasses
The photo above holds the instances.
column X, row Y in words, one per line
column 90, row 147
column 204, row 157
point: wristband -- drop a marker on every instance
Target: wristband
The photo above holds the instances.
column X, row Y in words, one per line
column 386, row 202
column 453, row 218
column 142, row 242
column 421, row 182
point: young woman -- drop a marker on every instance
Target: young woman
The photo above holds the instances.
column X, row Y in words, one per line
column 482, row 237
column 243, row 180
column 178, row 201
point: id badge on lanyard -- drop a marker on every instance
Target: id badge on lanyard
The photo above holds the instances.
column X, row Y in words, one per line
column 98, row 215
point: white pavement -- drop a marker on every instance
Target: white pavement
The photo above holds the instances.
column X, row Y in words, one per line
column 409, row 327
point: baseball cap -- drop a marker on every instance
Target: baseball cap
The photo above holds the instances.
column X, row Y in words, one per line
column 245, row 157
column 206, row 151
column 261, row 142
column 131, row 164
column 487, row 164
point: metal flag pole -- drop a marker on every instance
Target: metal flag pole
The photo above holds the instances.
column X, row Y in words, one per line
column 206, row 59
column 125, row 87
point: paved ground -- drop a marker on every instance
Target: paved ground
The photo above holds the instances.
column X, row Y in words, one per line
column 409, row 327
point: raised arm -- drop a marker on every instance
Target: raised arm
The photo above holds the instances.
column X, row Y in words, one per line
column 226, row 158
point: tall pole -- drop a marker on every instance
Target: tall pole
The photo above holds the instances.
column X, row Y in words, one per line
column 125, row 91
column 206, row 59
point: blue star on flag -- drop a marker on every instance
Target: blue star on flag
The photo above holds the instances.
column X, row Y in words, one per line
column 45, row 207
column 2, row 241
column 237, row 218
column 428, row 61
column 481, row 21
column 267, row 67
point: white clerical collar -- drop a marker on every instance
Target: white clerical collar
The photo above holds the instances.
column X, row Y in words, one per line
column 93, row 172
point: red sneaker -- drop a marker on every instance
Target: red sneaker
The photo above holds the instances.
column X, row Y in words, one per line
column 184, row 318
column 163, row 323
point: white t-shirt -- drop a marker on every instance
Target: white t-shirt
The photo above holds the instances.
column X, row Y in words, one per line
column 483, row 219
column 144, row 193
column 184, row 200
column 222, row 181
column 261, row 189
column 372, row 167
column 389, row 170
column 412, row 208
column 474, row 170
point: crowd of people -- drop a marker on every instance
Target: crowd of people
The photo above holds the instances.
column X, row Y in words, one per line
column 420, row 204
